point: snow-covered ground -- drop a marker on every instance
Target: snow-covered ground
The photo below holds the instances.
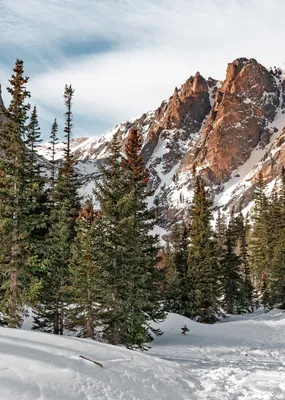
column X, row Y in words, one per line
column 243, row 358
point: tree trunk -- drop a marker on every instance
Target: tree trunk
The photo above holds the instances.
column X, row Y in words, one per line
column 90, row 318
column 12, row 305
column 61, row 319
column 56, row 320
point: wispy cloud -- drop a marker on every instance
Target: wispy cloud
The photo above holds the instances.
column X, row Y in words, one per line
column 125, row 56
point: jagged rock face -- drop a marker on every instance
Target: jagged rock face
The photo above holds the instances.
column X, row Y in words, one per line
column 183, row 113
column 245, row 106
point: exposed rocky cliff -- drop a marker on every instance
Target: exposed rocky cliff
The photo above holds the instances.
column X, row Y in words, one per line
column 245, row 106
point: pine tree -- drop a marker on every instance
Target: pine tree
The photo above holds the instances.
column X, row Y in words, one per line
column 64, row 210
column 32, row 142
column 128, row 254
column 203, row 267
column 259, row 244
column 221, row 231
column 282, row 197
column 180, row 249
column 53, row 142
column 242, row 230
column 232, row 284
column 168, row 267
column 178, row 296
column 12, row 196
column 276, row 286
column 36, row 210
column 83, row 316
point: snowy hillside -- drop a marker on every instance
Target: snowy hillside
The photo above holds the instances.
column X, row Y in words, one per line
column 239, row 359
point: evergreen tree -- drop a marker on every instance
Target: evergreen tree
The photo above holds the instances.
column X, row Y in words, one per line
column 282, row 198
column 221, row 231
column 178, row 296
column 84, row 286
column 33, row 140
column 127, row 256
column 276, row 285
column 53, row 142
column 168, row 267
column 232, row 285
column 180, row 249
column 259, row 242
column 242, row 230
column 36, row 211
column 64, row 210
column 203, row 267
column 13, row 197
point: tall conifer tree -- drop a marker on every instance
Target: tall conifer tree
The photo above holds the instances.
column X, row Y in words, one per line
column 241, row 235
column 232, row 284
column 259, row 242
column 36, row 212
column 84, row 288
column 12, row 195
column 128, row 254
column 63, row 213
column 203, row 260
column 179, row 295
column 277, row 246
column 53, row 142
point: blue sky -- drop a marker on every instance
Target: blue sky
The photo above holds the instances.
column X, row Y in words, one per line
column 123, row 57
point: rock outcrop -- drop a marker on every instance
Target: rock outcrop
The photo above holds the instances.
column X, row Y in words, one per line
column 245, row 106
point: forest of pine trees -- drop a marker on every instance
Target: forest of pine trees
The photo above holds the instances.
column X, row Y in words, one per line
column 101, row 273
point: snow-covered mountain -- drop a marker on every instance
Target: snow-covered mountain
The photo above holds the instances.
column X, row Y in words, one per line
column 226, row 131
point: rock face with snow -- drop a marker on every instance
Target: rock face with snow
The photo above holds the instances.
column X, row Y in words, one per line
column 245, row 105
column 225, row 131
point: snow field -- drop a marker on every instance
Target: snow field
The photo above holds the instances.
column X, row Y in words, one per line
column 240, row 358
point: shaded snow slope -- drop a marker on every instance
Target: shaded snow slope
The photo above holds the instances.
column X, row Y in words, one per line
column 243, row 358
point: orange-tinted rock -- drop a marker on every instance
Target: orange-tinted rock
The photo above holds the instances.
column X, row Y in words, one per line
column 245, row 104
column 185, row 111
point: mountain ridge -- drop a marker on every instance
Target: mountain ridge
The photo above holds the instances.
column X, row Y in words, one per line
column 226, row 131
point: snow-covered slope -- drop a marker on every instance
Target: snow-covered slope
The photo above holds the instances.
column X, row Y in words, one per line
column 80, row 147
column 241, row 359
column 38, row 366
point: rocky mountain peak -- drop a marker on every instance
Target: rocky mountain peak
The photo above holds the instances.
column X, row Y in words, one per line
column 245, row 106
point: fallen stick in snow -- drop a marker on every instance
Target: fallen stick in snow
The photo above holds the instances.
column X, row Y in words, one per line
column 95, row 362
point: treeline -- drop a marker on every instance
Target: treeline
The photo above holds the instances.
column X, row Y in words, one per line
column 101, row 272
column 208, row 269
column 235, row 268
column 78, row 268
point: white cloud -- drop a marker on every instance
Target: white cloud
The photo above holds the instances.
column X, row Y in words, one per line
column 158, row 44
